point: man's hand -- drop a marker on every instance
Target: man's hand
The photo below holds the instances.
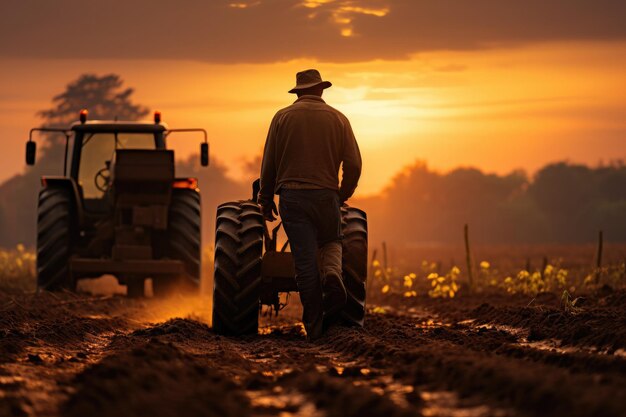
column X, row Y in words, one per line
column 342, row 199
column 270, row 211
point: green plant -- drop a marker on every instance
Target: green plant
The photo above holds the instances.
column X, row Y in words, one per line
column 568, row 303
column 17, row 268
column 553, row 278
column 444, row 286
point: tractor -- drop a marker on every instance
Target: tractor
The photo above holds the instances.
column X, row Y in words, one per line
column 118, row 209
column 251, row 271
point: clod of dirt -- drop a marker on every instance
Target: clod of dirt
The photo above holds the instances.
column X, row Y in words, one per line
column 536, row 333
column 180, row 326
column 339, row 398
column 34, row 358
column 158, row 380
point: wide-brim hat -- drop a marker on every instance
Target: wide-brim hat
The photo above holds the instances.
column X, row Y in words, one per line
column 309, row 78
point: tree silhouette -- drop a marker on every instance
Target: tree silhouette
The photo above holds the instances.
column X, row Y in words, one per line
column 105, row 97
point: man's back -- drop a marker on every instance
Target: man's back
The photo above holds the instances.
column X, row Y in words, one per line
column 310, row 141
column 307, row 142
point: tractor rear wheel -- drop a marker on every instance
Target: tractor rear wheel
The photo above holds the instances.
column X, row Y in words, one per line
column 54, row 240
column 355, row 251
column 237, row 279
column 185, row 243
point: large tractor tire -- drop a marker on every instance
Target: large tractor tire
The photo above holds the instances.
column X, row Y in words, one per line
column 354, row 225
column 54, row 240
column 185, row 243
column 237, row 279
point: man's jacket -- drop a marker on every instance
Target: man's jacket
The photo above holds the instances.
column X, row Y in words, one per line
column 307, row 142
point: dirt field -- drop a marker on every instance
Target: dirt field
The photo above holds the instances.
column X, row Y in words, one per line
column 79, row 355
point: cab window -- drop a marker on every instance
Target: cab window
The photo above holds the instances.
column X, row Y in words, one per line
column 98, row 151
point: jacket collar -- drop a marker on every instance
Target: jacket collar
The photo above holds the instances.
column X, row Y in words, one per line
column 310, row 98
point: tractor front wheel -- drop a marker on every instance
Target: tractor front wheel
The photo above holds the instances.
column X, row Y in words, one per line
column 54, row 240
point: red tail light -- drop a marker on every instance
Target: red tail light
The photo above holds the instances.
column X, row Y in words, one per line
column 186, row 183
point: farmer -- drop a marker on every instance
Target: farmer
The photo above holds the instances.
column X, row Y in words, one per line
column 306, row 144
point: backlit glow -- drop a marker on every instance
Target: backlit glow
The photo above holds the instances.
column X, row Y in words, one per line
column 347, row 32
column 312, row 4
column 244, row 5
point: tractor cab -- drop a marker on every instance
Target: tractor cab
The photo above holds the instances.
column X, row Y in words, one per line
column 95, row 148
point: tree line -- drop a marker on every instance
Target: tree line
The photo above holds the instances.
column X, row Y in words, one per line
column 560, row 203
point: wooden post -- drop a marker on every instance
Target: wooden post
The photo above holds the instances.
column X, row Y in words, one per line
column 544, row 265
column 599, row 258
column 385, row 265
column 370, row 275
column 468, row 259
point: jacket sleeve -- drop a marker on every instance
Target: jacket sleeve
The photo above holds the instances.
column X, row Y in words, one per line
column 351, row 163
column 268, row 166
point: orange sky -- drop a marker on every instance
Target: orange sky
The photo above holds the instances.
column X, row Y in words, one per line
column 499, row 86
column 496, row 109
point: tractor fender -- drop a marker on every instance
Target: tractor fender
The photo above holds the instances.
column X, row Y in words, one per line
column 70, row 185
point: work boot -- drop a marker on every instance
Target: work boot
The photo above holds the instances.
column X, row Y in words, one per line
column 314, row 330
column 313, row 314
column 334, row 291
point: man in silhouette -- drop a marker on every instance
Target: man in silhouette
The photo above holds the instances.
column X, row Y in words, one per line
column 306, row 144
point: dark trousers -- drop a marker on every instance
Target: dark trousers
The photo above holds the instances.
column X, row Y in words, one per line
column 312, row 218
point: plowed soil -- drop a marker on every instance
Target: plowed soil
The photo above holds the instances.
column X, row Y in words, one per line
column 81, row 355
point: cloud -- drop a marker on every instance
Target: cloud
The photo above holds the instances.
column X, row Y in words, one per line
column 225, row 31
